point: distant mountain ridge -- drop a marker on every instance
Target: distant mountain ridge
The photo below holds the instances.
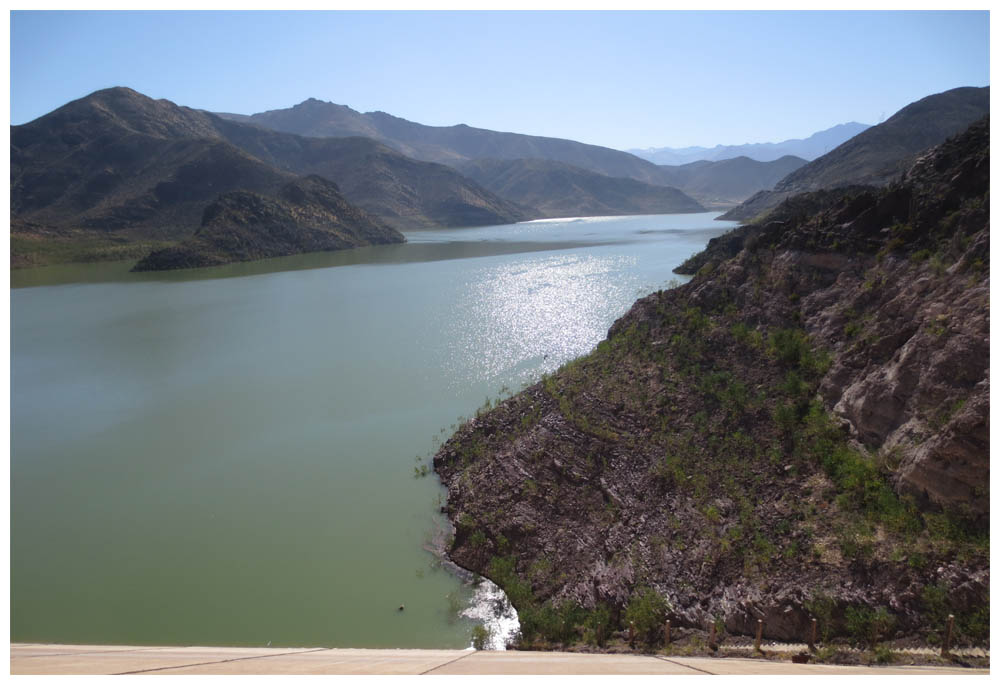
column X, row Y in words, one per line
column 729, row 181
column 808, row 149
column 450, row 145
column 881, row 153
column 459, row 145
column 563, row 190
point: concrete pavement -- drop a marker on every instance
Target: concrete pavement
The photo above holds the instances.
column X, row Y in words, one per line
column 100, row 659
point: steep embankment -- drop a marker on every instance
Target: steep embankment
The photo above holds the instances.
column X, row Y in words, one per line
column 307, row 215
column 560, row 190
column 879, row 154
column 800, row 431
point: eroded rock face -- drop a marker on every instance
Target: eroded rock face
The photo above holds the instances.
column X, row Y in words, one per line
column 670, row 456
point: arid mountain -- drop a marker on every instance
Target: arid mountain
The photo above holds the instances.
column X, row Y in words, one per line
column 306, row 215
column 117, row 168
column 881, row 153
column 447, row 144
column 807, row 148
column 729, row 181
column 560, row 190
column 801, row 431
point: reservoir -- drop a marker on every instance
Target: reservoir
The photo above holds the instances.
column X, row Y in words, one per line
column 229, row 456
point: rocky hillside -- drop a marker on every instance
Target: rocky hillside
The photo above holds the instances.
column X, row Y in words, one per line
column 307, row 215
column 560, row 190
column 119, row 170
column 881, row 153
column 800, row 431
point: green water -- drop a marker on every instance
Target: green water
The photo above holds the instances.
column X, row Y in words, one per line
column 226, row 456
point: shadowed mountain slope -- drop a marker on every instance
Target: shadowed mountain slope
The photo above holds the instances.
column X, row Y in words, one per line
column 306, row 215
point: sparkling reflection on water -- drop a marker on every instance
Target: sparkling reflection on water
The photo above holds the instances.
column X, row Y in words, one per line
column 537, row 312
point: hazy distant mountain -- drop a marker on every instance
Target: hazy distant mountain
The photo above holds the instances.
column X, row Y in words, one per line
column 456, row 145
column 306, row 215
column 729, row 181
column 807, row 148
column 880, row 153
column 117, row 167
column 447, row 144
column 560, row 190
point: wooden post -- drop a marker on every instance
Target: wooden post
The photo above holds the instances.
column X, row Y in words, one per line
column 812, row 636
column 946, row 647
column 666, row 633
column 631, row 633
column 760, row 633
column 712, row 643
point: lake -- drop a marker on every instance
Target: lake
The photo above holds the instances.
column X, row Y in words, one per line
column 227, row 456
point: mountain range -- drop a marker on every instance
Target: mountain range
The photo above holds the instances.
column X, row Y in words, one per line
column 879, row 154
column 117, row 172
column 713, row 184
column 807, row 148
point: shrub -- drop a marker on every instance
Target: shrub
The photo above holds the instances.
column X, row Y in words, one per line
column 867, row 626
column 647, row 610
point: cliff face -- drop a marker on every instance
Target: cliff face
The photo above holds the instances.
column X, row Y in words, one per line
column 307, row 215
column 801, row 430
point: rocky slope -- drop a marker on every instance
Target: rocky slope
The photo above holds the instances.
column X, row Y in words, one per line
column 560, row 190
column 307, row 215
column 801, row 431
column 879, row 154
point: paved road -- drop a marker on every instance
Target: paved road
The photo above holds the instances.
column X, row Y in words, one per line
column 94, row 660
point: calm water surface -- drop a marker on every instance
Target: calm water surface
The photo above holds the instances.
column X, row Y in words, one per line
column 226, row 456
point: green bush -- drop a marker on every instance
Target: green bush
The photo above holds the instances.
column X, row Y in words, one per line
column 868, row 626
column 647, row 610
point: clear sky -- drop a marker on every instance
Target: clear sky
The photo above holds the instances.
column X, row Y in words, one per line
column 620, row 79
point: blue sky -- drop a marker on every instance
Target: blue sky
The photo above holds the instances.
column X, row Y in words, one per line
column 620, row 79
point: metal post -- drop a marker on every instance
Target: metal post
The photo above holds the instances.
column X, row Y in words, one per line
column 946, row 647
column 760, row 633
